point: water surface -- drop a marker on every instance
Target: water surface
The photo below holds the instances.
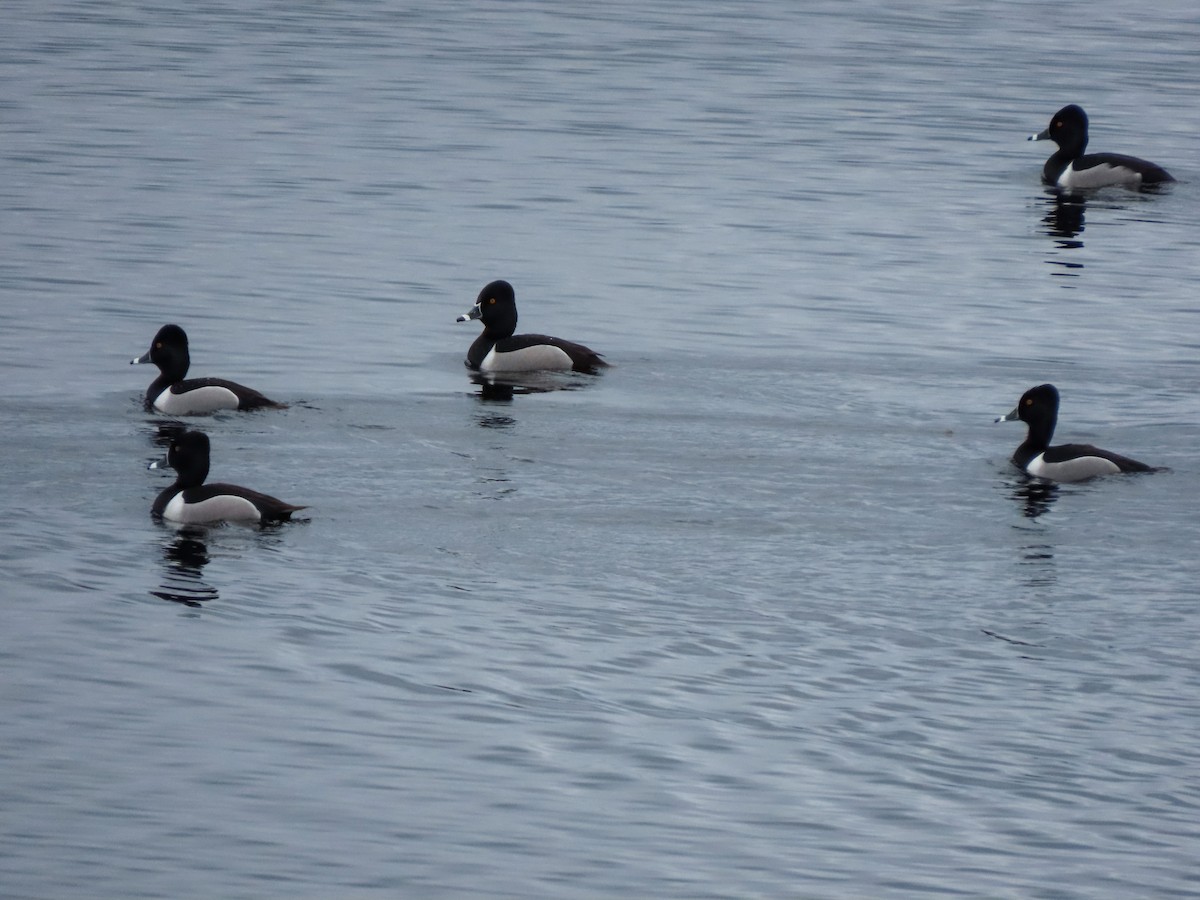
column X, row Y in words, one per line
column 763, row 610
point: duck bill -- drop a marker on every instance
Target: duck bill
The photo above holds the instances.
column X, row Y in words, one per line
column 159, row 463
column 144, row 358
column 1040, row 136
column 1011, row 417
column 473, row 313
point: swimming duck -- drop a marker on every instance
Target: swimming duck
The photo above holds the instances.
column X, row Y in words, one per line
column 1038, row 408
column 1070, row 169
column 497, row 350
column 173, row 394
column 190, row 501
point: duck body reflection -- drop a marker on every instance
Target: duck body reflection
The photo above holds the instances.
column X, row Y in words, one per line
column 1064, row 219
column 504, row 387
column 1036, row 496
column 185, row 557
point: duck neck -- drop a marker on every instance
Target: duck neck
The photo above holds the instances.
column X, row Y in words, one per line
column 1041, row 430
column 174, row 367
column 1056, row 165
column 480, row 348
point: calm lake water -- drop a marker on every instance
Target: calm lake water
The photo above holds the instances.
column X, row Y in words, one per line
column 762, row 611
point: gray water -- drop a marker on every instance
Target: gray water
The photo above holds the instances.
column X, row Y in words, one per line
column 762, row 611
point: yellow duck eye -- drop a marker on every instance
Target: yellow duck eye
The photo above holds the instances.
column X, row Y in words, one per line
column 491, row 300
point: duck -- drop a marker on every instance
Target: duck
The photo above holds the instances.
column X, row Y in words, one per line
column 174, row 395
column 1038, row 408
column 1069, row 169
column 498, row 351
column 192, row 502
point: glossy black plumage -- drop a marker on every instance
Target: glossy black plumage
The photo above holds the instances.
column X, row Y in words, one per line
column 499, row 350
column 1070, row 168
column 201, row 503
column 174, row 394
column 1038, row 408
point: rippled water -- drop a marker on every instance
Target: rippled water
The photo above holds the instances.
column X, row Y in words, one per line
column 761, row 611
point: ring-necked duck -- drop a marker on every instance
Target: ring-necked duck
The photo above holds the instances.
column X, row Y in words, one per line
column 172, row 394
column 1038, row 408
column 1070, row 169
column 498, row 350
column 191, row 501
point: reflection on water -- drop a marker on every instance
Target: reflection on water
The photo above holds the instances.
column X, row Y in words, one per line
column 1063, row 221
column 1037, row 561
column 493, row 392
column 492, row 420
column 503, row 388
column 185, row 555
column 162, row 432
column 1035, row 496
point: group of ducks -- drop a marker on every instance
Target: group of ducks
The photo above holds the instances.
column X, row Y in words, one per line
column 499, row 351
column 1069, row 169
